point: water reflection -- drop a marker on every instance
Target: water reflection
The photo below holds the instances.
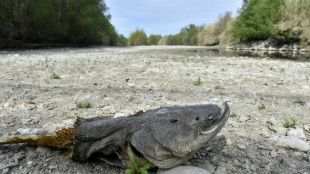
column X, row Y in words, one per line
column 300, row 56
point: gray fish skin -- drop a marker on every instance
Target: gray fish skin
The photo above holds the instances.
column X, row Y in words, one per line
column 166, row 136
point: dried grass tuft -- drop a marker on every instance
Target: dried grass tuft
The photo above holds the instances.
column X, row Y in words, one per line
column 294, row 16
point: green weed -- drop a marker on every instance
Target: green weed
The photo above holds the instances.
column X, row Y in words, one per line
column 32, row 68
column 301, row 102
column 55, row 76
column 261, row 107
column 271, row 68
column 148, row 62
column 304, row 158
column 289, row 124
column 233, row 115
column 136, row 169
column 218, row 87
column 280, row 83
column 46, row 62
column 198, row 82
column 82, row 105
column 67, row 115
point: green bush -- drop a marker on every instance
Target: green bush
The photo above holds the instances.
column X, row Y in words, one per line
column 153, row 39
column 137, row 37
column 257, row 19
column 122, row 40
column 172, row 40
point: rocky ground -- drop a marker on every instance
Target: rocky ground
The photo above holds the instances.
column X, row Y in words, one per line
column 263, row 94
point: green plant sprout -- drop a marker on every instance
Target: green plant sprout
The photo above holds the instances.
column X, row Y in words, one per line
column 55, row 76
column 81, row 105
column 198, row 82
column 218, row 87
column 136, row 169
column 289, row 124
column 301, row 102
column 261, row 107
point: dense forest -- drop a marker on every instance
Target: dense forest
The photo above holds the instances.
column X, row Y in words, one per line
column 56, row 22
column 87, row 22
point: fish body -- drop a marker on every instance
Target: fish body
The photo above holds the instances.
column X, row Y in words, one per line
column 165, row 137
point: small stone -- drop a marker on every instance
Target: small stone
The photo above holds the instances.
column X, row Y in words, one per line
column 207, row 166
column 307, row 128
column 253, row 167
column 29, row 163
column 51, row 128
column 220, row 170
column 32, row 107
column 68, row 122
column 297, row 133
column 243, row 118
column 247, row 167
column 2, row 166
column 183, row 170
column 30, row 131
column 242, row 147
column 228, row 141
column 44, row 151
column 203, row 154
column 120, row 115
column 273, row 153
column 5, row 171
column 19, row 156
column 298, row 153
column 237, row 162
column 52, row 167
column 290, row 142
column 199, row 160
column 91, row 97
column 278, row 129
column 6, row 105
column 272, row 121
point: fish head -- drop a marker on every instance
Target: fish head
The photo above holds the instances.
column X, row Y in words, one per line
column 173, row 135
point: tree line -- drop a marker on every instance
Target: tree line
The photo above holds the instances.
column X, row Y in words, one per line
column 87, row 22
column 283, row 21
column 56, row 21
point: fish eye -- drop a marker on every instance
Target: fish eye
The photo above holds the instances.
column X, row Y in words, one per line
column 173, row 120
column 197, row 118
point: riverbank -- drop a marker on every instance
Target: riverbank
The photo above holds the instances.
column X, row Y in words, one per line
column 263, row 94
column 270, row 45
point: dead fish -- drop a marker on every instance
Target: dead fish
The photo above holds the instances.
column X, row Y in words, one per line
column 165, row 137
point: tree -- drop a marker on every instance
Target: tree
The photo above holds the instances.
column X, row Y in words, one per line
column 256, row 20
column 55, row 21
column 137, row 37
column 172, row 40
column 122, row 40
column 153, row 39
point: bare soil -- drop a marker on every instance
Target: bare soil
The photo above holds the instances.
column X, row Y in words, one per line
column 263, row 94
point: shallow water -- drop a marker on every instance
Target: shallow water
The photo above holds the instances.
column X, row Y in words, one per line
column 286, row 55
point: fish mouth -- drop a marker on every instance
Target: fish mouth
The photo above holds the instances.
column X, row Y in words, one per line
column 210, row 126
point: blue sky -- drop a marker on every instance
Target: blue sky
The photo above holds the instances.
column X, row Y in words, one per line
column 166, row 17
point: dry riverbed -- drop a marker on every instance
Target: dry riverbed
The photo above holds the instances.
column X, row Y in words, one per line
column 263, row 95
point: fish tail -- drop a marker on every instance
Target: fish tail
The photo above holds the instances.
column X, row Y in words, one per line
column 64, row 139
